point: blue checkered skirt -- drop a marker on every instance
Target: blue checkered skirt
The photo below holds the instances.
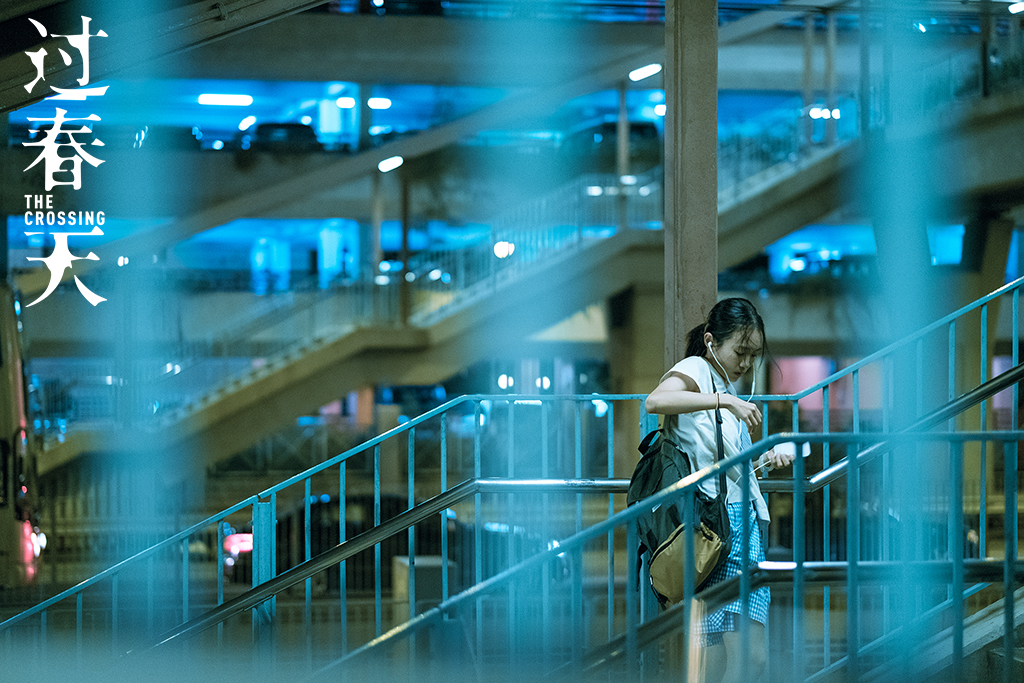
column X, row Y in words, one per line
column 715, row 624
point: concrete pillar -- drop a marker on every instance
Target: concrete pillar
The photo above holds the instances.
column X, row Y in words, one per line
column 622, row 155
column 831, row 78
column 405, row 285
column 864, row 85
column 635, row 364
column 5, row 133
column 365, row 117
column 807, row 79
column 691, row 169
column 376, row 219
column 986, row 21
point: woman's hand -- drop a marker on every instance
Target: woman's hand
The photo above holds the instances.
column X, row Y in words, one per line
column 772, row 460
column 745, row 412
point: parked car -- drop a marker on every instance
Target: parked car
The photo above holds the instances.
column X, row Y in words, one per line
column 284, row 137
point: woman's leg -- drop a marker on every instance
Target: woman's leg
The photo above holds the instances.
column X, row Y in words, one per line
column 713, row 666
column 736, row 670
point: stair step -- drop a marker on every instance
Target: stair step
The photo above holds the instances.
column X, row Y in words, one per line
column 998, row 654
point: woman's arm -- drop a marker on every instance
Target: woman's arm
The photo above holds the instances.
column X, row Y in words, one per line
column 678, row 393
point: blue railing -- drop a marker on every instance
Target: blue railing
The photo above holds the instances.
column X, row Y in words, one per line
column 508, row 436
column 952, row 570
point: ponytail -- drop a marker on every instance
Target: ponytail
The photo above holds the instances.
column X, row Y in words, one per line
column 695, row 341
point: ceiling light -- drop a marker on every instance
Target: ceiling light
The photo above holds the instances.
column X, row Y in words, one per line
column 644, row 72
column 378, row 103
column 390, row 164
column 504, row 249
column 246, row 123
column 1016, row 8
column 226, row 100
column 346, row 102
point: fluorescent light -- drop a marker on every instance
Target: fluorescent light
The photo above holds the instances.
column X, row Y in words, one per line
column 815, row 112
column 1016, row 8
column 390, row 164
column 226, row 100
column 346, row 102
column 659, row 109
column 835, row 113
column 644, row 72
column 378, row 103
column 246, row 122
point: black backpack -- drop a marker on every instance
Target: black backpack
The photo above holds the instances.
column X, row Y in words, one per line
column 663, row 463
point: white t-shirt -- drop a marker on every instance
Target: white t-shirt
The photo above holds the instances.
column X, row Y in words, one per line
column 695, row 434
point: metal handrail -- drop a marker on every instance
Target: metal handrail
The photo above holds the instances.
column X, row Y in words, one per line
column 782, row 573
column 951, row 409
column 115, row 569
column 667, row 496
column 443, row 501
column 903, row 342
column 443, row 408
column 371, row 537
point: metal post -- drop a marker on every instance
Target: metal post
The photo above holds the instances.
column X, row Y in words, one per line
column 577, row 588
column 376, row 548
column 478, row 565
column 611, row 511
column 1010, row 504
column 184, row 579
column 799, row 552
column 342, row 572
column 956, row 543
column 983, row 427
column 852, row 557
column 411, row 481
column 262, row 559
column 307, row 543
column 632, row 614
column 826, row 516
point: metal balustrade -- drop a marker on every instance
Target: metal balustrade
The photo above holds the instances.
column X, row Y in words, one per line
column 642, row 628
column 515, row 436
column 469, row 437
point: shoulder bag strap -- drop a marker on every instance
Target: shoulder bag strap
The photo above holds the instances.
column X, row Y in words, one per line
column 722, row 490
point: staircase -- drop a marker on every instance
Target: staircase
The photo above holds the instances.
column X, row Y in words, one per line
column 374, row 561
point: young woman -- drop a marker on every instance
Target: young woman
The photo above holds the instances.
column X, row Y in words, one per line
column 718, row 353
